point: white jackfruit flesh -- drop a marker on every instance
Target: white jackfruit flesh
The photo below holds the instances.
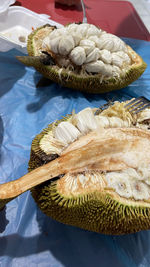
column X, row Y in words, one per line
column 130, row 182
column 87, row 46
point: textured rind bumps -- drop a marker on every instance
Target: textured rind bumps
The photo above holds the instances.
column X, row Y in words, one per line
column 90, row 83
column 96, row 211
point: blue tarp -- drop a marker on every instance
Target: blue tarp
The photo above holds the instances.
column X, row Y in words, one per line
column 27, row 236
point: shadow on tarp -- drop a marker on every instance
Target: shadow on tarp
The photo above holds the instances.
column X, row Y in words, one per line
column 8, row 61
column 3, row 220
column 50, row 90
column 46, row 90
column 76, row 247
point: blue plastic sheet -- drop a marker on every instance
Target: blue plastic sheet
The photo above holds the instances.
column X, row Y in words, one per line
column 27, row 236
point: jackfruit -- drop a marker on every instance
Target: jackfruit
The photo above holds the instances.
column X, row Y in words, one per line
column 109, row 191
column 83, row 57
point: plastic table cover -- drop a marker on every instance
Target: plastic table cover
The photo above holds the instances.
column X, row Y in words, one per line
column 27, row 236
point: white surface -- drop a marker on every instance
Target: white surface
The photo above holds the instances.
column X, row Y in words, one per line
column 4, row 4
column 18, row 22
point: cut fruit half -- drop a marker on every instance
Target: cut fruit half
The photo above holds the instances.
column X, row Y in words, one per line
column 107, row 188
column 83, row 57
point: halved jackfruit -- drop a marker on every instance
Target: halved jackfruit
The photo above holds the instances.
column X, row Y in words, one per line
column 83, row 57
column 108, row 191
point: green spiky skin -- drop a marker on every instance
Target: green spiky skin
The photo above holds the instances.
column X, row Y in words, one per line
column 37, row 156
column 95, row 211
column 90, row 83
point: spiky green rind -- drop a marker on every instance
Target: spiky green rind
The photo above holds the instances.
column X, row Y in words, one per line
column 90, row 83
column 37, row 156
column 96, row 211
column 30, row 46
column 84, row 83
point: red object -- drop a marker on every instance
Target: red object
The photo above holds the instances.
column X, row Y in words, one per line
column 117, row 17
column 68, row 2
